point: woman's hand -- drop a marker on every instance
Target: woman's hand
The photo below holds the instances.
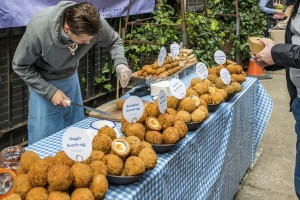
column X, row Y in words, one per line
column 264, row 58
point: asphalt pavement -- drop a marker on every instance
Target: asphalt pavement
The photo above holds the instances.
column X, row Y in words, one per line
column 271, row 177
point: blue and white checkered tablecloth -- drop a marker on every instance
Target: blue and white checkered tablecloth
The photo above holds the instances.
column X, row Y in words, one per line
column 209, row 163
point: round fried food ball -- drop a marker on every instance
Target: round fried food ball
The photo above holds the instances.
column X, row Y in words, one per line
column 188, row 104
column 120, row 104
column 22, row 185
column 149, row 158
column 207, row 82
column 153, row 124
column 217, row 97
column 58, row 195
column 203, row 102
column 120, row 147
column 124, row 127
column 194, row 81
column 181, row 128
column 114, row 164
column 137, row 130
column 152, row 109
column 171, row 111
column 200, row 88
column 97, row 155
column 82, row 174
column 186, row 116
column 20, row 171
column 37, row 193
column 219, row 83
column 170, row 135
column 60, row 177
column 99, row 186
column 82, row 194
column 37, row 174
column 61, row 158
column 13, row 197
column 229, row 89
column 212, row 77
column 134, row 166
column 146, row 145
column 207, row 98
column 144, row 117
column 236, row 86
column 102, row 143
column 108, row 131
column 166, row 120
column 98, row 168
column 223, row 92
column 49, row 160
column 190, row 92
column 27, row 159
column 172, row 102
column 135, row 145
column 205, row 110
column 154, row 137
column 198, row 115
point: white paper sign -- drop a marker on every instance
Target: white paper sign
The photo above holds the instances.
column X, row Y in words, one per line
column 133, row 109
column 225, row 76
column 201, row 70
column 77, row 144
column 162, row 101
column 175, row 50
column 162, row 56
column 220, row 57
column 177, row 88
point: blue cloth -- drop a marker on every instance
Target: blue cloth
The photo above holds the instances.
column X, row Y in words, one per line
column 208, row 163
column 296, row 113
column 45, row 119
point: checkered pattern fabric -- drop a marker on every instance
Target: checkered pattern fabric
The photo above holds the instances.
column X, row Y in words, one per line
column 209, row 163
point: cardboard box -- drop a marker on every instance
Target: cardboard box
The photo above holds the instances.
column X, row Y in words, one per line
column 278, row 36
column 255, row 45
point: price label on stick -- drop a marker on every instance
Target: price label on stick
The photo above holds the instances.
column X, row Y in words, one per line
column 177, row 88
column 162, row 56
column 77, row 144
column 162, row 102
column 201, row 70
column 220, row 57
column 133, row 109
column 175, row 50
column 225, row 76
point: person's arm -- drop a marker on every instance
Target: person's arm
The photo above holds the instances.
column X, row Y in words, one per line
column 28, row 50
column 26, row 54
column 108, row 37
column 287, row 55
column 263, row 7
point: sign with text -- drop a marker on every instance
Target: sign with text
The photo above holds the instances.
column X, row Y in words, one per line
column 225, row 76
column 14, row 13
column 220, row 57
column 201, row 70
column 77, row 144
column 162, row 56
column 177, row 88
column 133, row 109
column 162, row 102
column 175, row 50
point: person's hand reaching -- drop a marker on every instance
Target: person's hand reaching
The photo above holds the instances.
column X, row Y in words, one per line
column 59, row 98
column 123, row 74
column 264, row 57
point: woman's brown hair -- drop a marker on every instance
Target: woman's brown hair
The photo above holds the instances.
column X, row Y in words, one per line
column 82, row 18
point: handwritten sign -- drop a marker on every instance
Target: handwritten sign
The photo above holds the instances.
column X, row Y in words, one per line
column 220, row 57
column 175, row 50
column 77, row 144
column 177, row 88
column 201, row 70
column 133, row 109
column 162, row 102
column 225, row 76
column 162, row 56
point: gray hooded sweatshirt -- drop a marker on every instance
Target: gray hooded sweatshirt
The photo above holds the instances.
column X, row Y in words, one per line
column 43, row 53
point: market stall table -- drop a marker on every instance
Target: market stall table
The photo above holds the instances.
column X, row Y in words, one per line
column 209, row 163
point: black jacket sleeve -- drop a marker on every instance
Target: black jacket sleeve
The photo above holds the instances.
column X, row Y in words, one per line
column 287, row 55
